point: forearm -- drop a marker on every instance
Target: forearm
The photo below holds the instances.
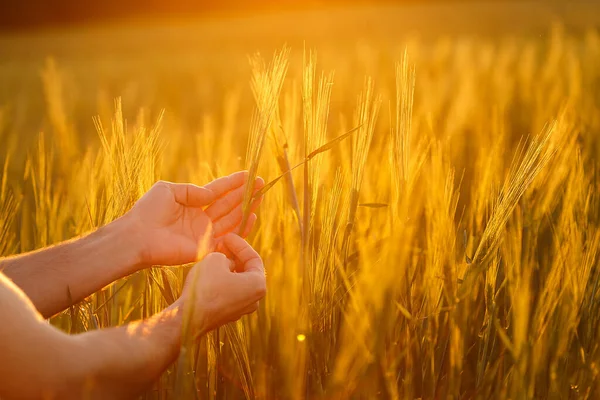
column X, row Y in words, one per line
column 122, row 362
column 39, row 361
column 55, row 277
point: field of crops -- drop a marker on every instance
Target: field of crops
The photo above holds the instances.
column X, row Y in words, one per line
column 444, row 246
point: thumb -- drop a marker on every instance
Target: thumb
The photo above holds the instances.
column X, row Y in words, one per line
column 190, row 195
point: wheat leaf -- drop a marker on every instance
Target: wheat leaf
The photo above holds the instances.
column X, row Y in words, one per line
column 329, row 145
column 373, row 205
column 269, row 185
column 325, row 147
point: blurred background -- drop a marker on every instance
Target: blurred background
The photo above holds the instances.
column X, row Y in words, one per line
column 487, row 75
column 45, row 13
column 463, row 15
column 188, row 56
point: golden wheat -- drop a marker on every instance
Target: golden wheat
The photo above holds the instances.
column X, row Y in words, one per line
column 448, row 249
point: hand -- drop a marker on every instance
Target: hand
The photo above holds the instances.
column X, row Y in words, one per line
column 224, row 289
column 171, row 219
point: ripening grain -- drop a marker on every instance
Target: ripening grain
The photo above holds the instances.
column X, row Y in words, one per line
column 439, row 238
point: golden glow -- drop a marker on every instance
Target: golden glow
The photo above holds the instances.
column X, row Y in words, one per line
column 479, row 271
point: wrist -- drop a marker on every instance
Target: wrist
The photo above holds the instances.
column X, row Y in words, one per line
column 124, row 232
column 193, row 324
column 173, row 319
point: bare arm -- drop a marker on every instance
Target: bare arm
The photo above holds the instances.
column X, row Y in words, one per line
column 163, row 228
column 39, row 361
column 75, row 268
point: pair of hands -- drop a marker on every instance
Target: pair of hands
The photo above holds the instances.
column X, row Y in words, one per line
column 172, row 219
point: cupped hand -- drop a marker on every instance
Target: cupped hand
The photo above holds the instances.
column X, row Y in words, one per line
column 224, row 289
column 171, row 219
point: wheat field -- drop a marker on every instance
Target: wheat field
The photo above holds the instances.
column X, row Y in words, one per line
column 438, row 239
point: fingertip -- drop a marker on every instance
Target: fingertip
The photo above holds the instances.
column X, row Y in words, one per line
column 241, row 174
column 229, row 236
column 260, row 182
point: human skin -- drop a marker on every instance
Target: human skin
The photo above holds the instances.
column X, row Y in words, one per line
column 40, row 362
column 164, row 227
column 167, row 226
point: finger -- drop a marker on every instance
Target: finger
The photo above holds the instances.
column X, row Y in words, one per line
column 244, row 253
column 222, row 248
column 218, row 260
column 229, row 222
column 231, row 264
column 191, row 195
column 224, row 205
column 228, row 183
column 249, row 225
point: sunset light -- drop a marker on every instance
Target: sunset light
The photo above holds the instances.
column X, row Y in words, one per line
column 299, row 199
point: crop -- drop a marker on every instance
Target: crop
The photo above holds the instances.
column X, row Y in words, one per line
column 438, row 239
